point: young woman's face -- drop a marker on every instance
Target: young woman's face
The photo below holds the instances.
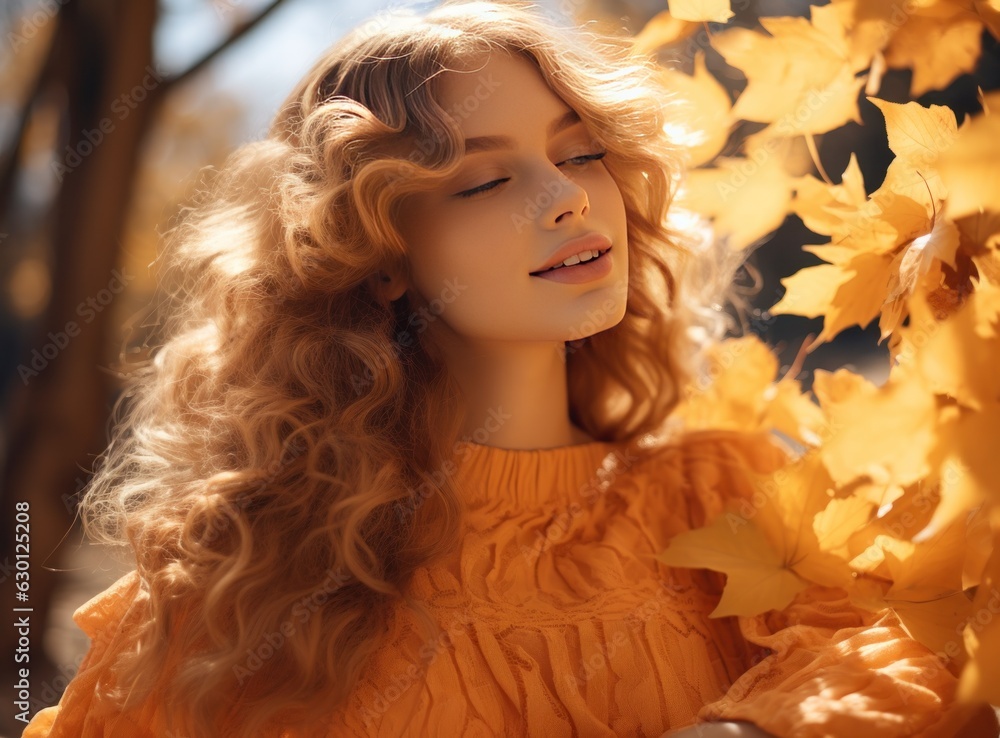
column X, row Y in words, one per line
column 517, row 199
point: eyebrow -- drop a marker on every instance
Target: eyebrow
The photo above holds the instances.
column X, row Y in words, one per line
column 489, row 143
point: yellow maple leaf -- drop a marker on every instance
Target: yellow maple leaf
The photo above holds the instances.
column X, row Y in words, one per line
column 848, row 293
column 883, row 249
column 806, row 521
column 808, row 60
column 868, row 26
column 699, row 110
column 932, row 618
column 823, row 207
column 731, row 396
column 970, row 168
column 939, row 41
column 886, row 222
column 718, row 11
column 746, row 200
column 957, row 357
column 989, row 13
column 891, row 431
column 774, row 542
column 740, row 393
column 663, row 29
column 979, row 237
column 918, row 136
column 925, row 578
column 980, row 680
column 932, row 564
column 793, row 413
column 757, row 579
column 918, row 264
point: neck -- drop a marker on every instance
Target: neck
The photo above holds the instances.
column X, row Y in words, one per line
column 516, row 394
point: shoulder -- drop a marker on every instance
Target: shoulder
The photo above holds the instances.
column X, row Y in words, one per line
column 697, row 471
column 109, row 619
column 760, row 451
column 109, row 609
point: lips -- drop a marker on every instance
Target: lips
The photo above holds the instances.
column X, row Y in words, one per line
column 592, row 241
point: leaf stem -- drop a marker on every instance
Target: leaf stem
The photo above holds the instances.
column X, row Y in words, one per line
column 796, row 366
column 814, row 153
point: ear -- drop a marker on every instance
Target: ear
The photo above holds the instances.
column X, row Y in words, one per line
column 388, row 287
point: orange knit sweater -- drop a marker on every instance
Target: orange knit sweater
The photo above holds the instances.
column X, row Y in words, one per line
column 558, row 621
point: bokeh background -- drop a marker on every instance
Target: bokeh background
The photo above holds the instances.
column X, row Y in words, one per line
column 108, row 111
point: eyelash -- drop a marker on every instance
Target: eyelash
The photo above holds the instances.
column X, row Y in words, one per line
column 587, row 158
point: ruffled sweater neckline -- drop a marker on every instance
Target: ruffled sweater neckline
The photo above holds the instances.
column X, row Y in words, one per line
column 507, row 479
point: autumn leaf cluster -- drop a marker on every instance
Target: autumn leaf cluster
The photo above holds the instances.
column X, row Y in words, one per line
column 894, row 494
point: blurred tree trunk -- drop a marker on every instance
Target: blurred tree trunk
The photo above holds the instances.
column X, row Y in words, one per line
column 101, row 60
column 100, row 68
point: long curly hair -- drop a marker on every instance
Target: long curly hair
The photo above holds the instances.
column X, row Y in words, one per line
column 264, row 461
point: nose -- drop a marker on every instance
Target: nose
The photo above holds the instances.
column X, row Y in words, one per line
column 563, row 198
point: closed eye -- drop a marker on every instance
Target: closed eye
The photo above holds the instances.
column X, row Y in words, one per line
column 483, row 187
column 576, row 161
column 581, row 160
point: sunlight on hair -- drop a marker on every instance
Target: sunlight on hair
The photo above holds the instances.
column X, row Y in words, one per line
column 237, row 233
column 694, row 225
column 684, row 135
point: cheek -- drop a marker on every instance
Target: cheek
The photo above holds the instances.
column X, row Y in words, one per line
column 610, row 196
column 453, row 248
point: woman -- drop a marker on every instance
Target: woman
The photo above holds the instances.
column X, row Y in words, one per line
column 405, row 460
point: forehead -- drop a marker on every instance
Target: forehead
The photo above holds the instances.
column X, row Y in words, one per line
column 494, row 88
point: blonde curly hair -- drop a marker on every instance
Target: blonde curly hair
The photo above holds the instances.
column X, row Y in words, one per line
column 261, row 458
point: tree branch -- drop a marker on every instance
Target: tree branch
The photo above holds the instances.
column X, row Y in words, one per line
column 238, row 32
